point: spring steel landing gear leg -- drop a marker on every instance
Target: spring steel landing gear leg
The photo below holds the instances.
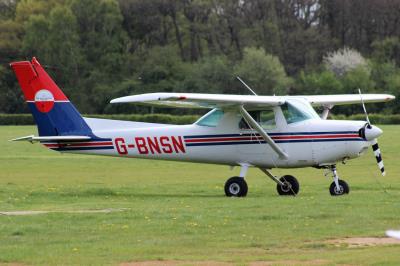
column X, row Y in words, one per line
column 286, row 185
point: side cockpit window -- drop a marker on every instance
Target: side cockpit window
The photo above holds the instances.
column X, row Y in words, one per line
column 211, row 119
column 297, row 111
column 265, row 118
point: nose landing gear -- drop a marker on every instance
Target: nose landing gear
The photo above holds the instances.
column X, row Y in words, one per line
column 338, row 187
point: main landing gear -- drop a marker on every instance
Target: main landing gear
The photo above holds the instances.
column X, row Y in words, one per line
column 287, row 185
column 237, row 187
column 338, row 187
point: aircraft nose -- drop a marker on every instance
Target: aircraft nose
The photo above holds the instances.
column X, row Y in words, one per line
column 372, row 132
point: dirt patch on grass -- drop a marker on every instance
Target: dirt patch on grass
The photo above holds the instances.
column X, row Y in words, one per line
column 176, row 262
column 217, row 263
column 355, row 242
column 289, row 262
column 20, row 213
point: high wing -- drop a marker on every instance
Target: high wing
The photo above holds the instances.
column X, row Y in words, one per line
column 198, row 100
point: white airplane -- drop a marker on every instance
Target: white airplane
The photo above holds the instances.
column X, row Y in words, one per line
column 393, row 233
column 240, row 130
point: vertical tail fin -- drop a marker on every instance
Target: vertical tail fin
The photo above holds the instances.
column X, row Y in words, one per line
column 54, row 114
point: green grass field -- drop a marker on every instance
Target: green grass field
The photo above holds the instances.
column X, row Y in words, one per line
column 178, row 211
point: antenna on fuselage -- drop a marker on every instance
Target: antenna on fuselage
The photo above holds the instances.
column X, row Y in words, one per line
column 247, row 86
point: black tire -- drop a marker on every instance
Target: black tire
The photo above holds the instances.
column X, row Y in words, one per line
column 236, row 187
column 344, row 188
column 291, row 186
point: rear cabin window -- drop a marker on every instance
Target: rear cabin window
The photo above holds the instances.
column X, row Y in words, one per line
column 211, row 119
column 265, row 118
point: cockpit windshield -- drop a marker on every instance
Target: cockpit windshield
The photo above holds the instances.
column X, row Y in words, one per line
column 296, row 110
column 211, row 119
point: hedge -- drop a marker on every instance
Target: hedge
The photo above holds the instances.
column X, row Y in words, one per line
column 27, row 119
column 382, row 119
column 152, row 118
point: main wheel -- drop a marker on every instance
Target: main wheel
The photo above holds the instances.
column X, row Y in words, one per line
column 343, row 188
column 236, row 187
column 290, row 186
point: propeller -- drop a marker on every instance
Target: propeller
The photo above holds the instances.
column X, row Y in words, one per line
column 371, row 133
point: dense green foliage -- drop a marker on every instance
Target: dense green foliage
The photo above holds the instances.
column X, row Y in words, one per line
column 178, row 211
column 100, row 49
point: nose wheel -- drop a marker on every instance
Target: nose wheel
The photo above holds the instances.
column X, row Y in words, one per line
column 343, row 188
column 338, row 187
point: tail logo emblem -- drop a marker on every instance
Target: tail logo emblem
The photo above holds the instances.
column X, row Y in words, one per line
column 44, row 101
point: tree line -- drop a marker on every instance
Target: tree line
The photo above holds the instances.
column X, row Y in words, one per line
column 97, row 50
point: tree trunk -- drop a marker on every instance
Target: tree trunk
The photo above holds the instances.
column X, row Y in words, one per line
column 178, row 35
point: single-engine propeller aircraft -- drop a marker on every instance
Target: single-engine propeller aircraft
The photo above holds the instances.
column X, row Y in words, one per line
column 240, row 130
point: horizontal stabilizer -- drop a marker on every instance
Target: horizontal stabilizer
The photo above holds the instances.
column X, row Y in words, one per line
column 32, row 138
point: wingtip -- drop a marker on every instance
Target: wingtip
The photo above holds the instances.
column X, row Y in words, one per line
column 117, row 100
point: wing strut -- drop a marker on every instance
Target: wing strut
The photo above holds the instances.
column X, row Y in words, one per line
column 327, row 108
column 264, row 134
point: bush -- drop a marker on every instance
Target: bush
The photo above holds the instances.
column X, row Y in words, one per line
column 263, row 72
column 318, row 83
column 344, row 60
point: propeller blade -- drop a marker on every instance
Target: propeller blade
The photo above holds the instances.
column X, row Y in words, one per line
column 373, row 132
column 378, row 156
